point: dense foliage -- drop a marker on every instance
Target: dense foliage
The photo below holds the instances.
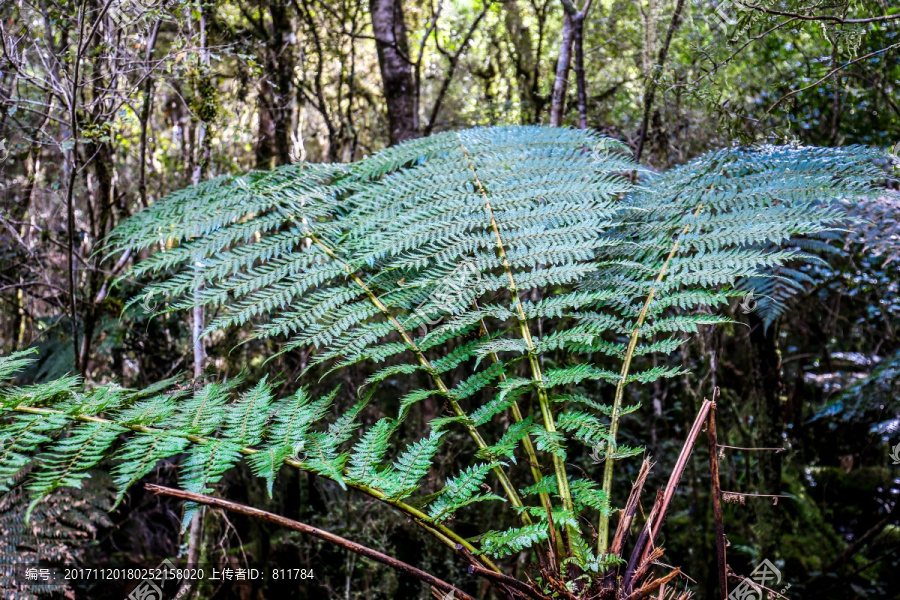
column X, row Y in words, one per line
column 109, row 107
column 571, row 275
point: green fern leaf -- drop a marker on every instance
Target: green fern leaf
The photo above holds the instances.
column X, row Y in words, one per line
column 460, row 491
column 503, row 543
column 66, row 462
column 412, row 465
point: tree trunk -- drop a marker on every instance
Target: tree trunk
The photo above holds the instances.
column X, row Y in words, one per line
column 265, row 139
column 103, row 165
column 769, row 428
column 20, row 213
column 146, row 104
column 652, row 76
column 200, row 166
column 396, row 69
column 580, row 82
column 561, row 83
column 276, row 91
column 524, row 62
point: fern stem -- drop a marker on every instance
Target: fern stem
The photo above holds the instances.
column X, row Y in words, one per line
column 559, row 466
column 507, row 485
column 603, row 525
column 517, row 417
column 526, row 441
column 441, row 532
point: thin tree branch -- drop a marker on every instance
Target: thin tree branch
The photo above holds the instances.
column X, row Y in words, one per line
column 830, row 73
column 645, row 591
column 828, row 18
column 310, row 530
column 717, row 499
column 625, row 521
column 651, row 528
column 750, row 449
column 858, row 544
column 630, row 508
column 432, row 26
column 650, row 93
column 675, row 477
column 454, row 62
column 510, row 582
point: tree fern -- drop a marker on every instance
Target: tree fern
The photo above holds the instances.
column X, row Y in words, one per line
column 500, row 264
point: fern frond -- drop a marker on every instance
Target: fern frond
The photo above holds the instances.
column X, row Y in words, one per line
column 140, row 455
column 412, row 465
column 57, row 534
column 547, row 485
column 65, row 463
column 503, row 543
column 369, row 452
column 549, row 441
column 21, row 438
column 460, row 491
column 509, row 442
column 14, row 363
column 586, row 494
column 584, row 427
column 420, row 261
column 204, row 467
column 245, row 420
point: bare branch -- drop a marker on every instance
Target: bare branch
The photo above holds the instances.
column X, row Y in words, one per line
column 828, row 18
column 310, row 530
